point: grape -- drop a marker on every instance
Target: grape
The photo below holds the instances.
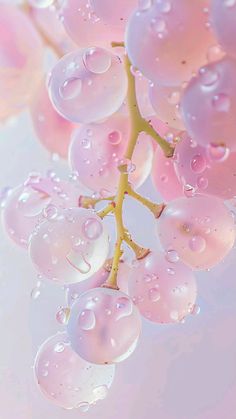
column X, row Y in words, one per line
column 164, row 291
column 114, row 14
column 97, row 280
column 70, row 247
column 21, row 58
column 51, row 26
column 164, row 177
column 209, row 103
column 53, row 131
column 223, row 19
column 28, row 203
column 97, row 150
column 163, row 43
column 165, row 102
column 67, row 380
column 200, row 229
column 85, row 28
column 205, row 170
column 104, row 326
column 88, row 85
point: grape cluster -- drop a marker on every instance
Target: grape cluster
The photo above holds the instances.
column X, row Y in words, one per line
column 137, row 89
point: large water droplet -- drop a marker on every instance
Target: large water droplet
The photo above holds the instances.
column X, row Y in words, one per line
column 63, row 315
column 124, row 307
column 87, row 320
column 83, row 407
column 209, row 77
column 71, row 88
column 115, row 137
column 218, row 152
column 97, row 60
column 221, row 102
column 172, row 256
column 59, row 347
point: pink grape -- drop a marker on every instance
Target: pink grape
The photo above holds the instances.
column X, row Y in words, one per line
column 223, row 19
column 21, row 59
column 163, row 43
column 53, row 131
column 104, row 326
column 74, row 291
column 200, row 229
column 66, row 379
column 85, row 28
column 114, row 14
column 38, row 198
column 49, row 23
column 165, row 102
column 164, row 292
column 205, row 170
column 97, row 151
column 209, row 104
column 70, row 247
column 164, row 177
column 88, row 85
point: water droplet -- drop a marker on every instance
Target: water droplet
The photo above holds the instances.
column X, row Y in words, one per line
column 218, row 152
column 92, row 229
column 195, row 310
column 202, row 182
column 59, row 347
column 100, row 392
column 197, row 244
column 198, row 163
column 189, row 190
column 71, row 88
column 77, row 261
column 86, row 143
column 124, row 307
column 154, row 295
column 87, row 320
column 45, row 373
column 97, row 60
column 63, row 315
column 209, row 77
column 50, row 212
column 172, row 256
column 83, row 407
column 147, row 278
column 164, row 6
column 170, row 271
column 221, row 102
column 115, row 137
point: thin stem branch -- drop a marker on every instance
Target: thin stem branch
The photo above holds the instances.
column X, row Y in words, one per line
column 107, row 210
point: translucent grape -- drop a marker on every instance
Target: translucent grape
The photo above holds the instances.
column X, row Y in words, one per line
column 104, row 326
column 223, row 20
column 209, row 104
column 85, row 28
column 66, row 249
column 66, row 379
column 28, row 203
column 165, row 102
column 21, row 59
column 162, row 41
column 96, row 152
column 88, row 85
column 164, row 292
column 214, row 164
column 53, row 131
column 114, row 14
column 97, row 280
column 201, row 230
column 164, row 177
